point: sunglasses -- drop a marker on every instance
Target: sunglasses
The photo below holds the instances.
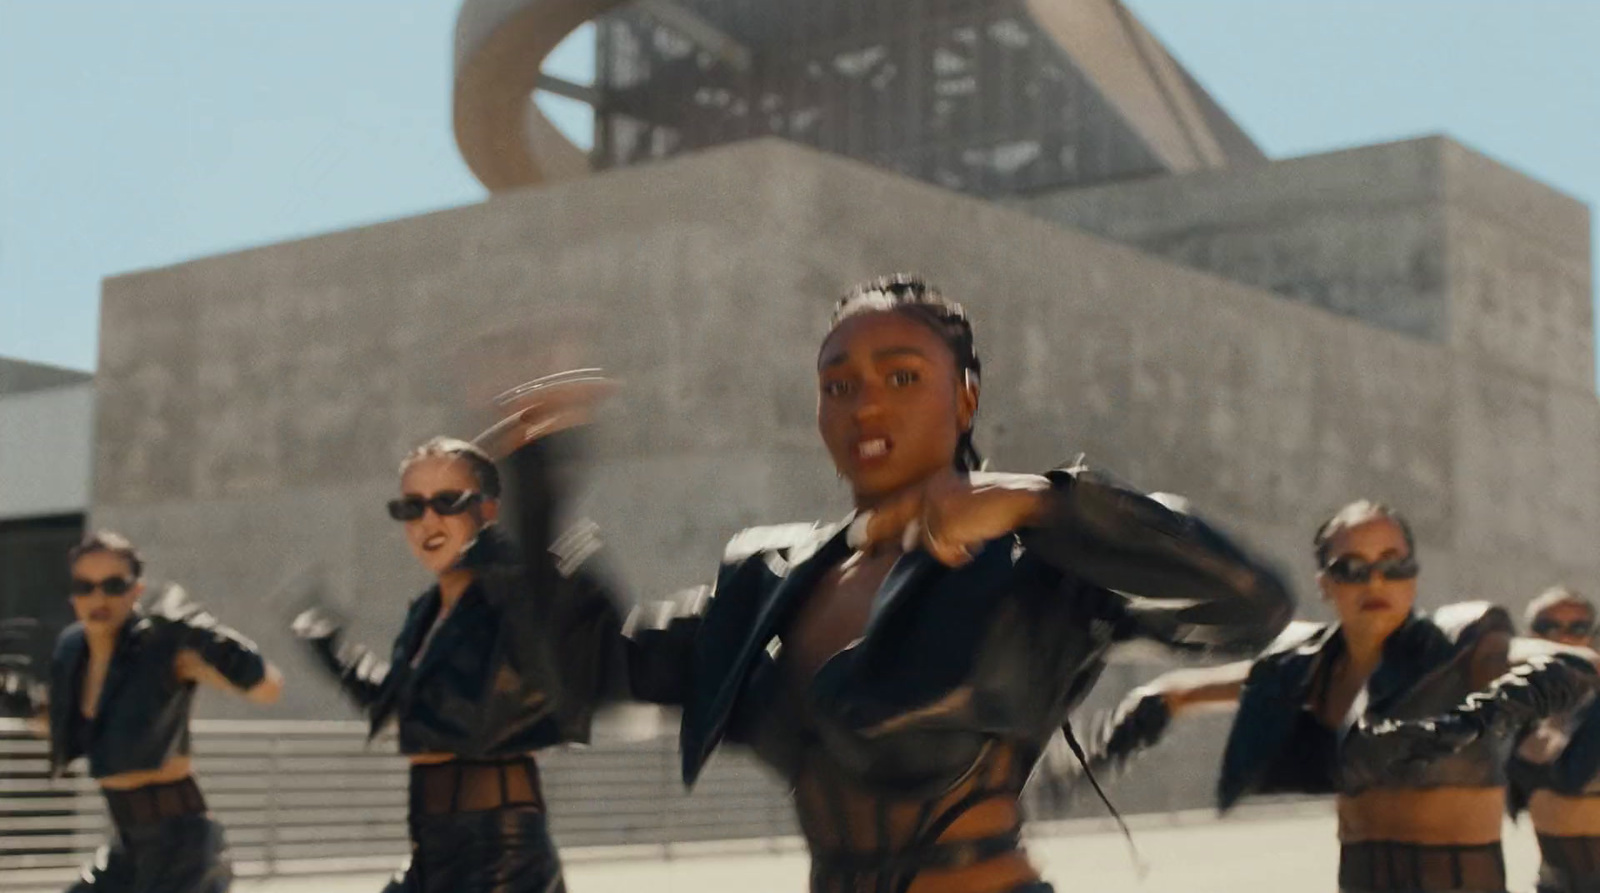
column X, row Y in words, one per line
column 112, row 586
column 1350, row 569
column 444, row 503
column 1545, row 627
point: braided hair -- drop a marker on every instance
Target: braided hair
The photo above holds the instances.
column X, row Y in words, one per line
column 912, row 296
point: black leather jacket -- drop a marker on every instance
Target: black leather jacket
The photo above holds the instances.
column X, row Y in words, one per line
column 1001, row 648
column 495, row 680
column 1277, row 745
column 1575, row 769
column 142, row 719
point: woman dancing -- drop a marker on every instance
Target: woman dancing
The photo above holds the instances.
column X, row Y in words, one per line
column 122, row 684
column 1430, row 703
column 1555, row 769
column 904, row 668
column 470, row 680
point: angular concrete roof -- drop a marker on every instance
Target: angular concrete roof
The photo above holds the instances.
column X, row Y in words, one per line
column 21, row 376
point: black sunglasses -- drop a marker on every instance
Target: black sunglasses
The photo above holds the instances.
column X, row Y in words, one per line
column 1546, row 627
column 1350, row 569
column 443, row 503
column 112, row 586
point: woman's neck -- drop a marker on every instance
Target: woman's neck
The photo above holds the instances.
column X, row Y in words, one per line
column 102, row 642
column 1365, row 646
column 866, row 502
column 452, row 584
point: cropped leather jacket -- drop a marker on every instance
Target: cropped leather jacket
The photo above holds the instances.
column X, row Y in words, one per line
column 494, row 680
column 142, row 718
column 1426, row 670
column 953, row 659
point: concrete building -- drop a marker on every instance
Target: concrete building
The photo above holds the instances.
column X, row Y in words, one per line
column 1271, row 338
column 46, row 433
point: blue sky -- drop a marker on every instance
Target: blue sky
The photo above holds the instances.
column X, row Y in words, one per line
column 139, row 134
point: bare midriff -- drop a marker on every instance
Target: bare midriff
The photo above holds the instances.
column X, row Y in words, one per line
column 174, row 769
column 430, row 759
column 1561, row 816
column 1437, row 816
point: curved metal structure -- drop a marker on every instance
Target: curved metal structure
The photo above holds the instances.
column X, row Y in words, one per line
column 995, row 97
column 501, row 46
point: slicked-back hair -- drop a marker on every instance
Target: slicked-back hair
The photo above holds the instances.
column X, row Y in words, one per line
column 912, row 296
column 482, row 467
column 110, row 543
column 1355, row 514
column 1550, row 598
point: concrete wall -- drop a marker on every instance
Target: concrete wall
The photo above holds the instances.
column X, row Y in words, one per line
column 1424, row 237
column 45, row 444
column 252, row 405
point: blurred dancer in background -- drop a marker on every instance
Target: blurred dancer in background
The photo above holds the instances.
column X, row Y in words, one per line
column 902, row 669
column 1419, row 803
column 1555, row 769
column 121, row 690
column 472, row 679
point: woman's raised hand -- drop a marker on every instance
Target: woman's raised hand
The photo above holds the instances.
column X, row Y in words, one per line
column 542, row 407
column 952, row 513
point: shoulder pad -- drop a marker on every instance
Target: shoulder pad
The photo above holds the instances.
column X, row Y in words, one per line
column 1297, row 634
column 660, row 614
column 576, row 545
column 1300, row 637
column 773, row 538
column 171, row 603
column 1465, row 622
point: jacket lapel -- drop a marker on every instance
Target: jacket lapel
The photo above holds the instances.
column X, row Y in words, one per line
column 435, row 639
column 116, row 673
column 798, row 580
column 909, row 572
column 1411, row 652
column 415, row 631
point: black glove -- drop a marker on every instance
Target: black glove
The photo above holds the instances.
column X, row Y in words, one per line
column 195, row 628
column 317, row 625
column 1532, row 691
column 359, row 672
column 21, row 692
column 1138, row 723
column 1402, row 748
column 1540, row 688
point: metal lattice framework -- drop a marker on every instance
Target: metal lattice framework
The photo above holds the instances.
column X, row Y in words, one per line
column 994, row 97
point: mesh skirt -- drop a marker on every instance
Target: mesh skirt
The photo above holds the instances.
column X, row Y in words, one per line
column 499, row 851
column 479, row 827
column 164, row 843
column 1388, row 867
column 1570, row 864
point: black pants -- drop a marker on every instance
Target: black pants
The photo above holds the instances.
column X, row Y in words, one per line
column 185, row 854
column 506, row 850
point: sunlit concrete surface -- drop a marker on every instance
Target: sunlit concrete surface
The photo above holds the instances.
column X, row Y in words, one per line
column 1185, row 853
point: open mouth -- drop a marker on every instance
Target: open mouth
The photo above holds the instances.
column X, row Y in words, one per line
column 434, row 543
column 873, row 449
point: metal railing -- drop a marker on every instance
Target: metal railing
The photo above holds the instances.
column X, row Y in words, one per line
column 313, row 797
column 302, row 798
